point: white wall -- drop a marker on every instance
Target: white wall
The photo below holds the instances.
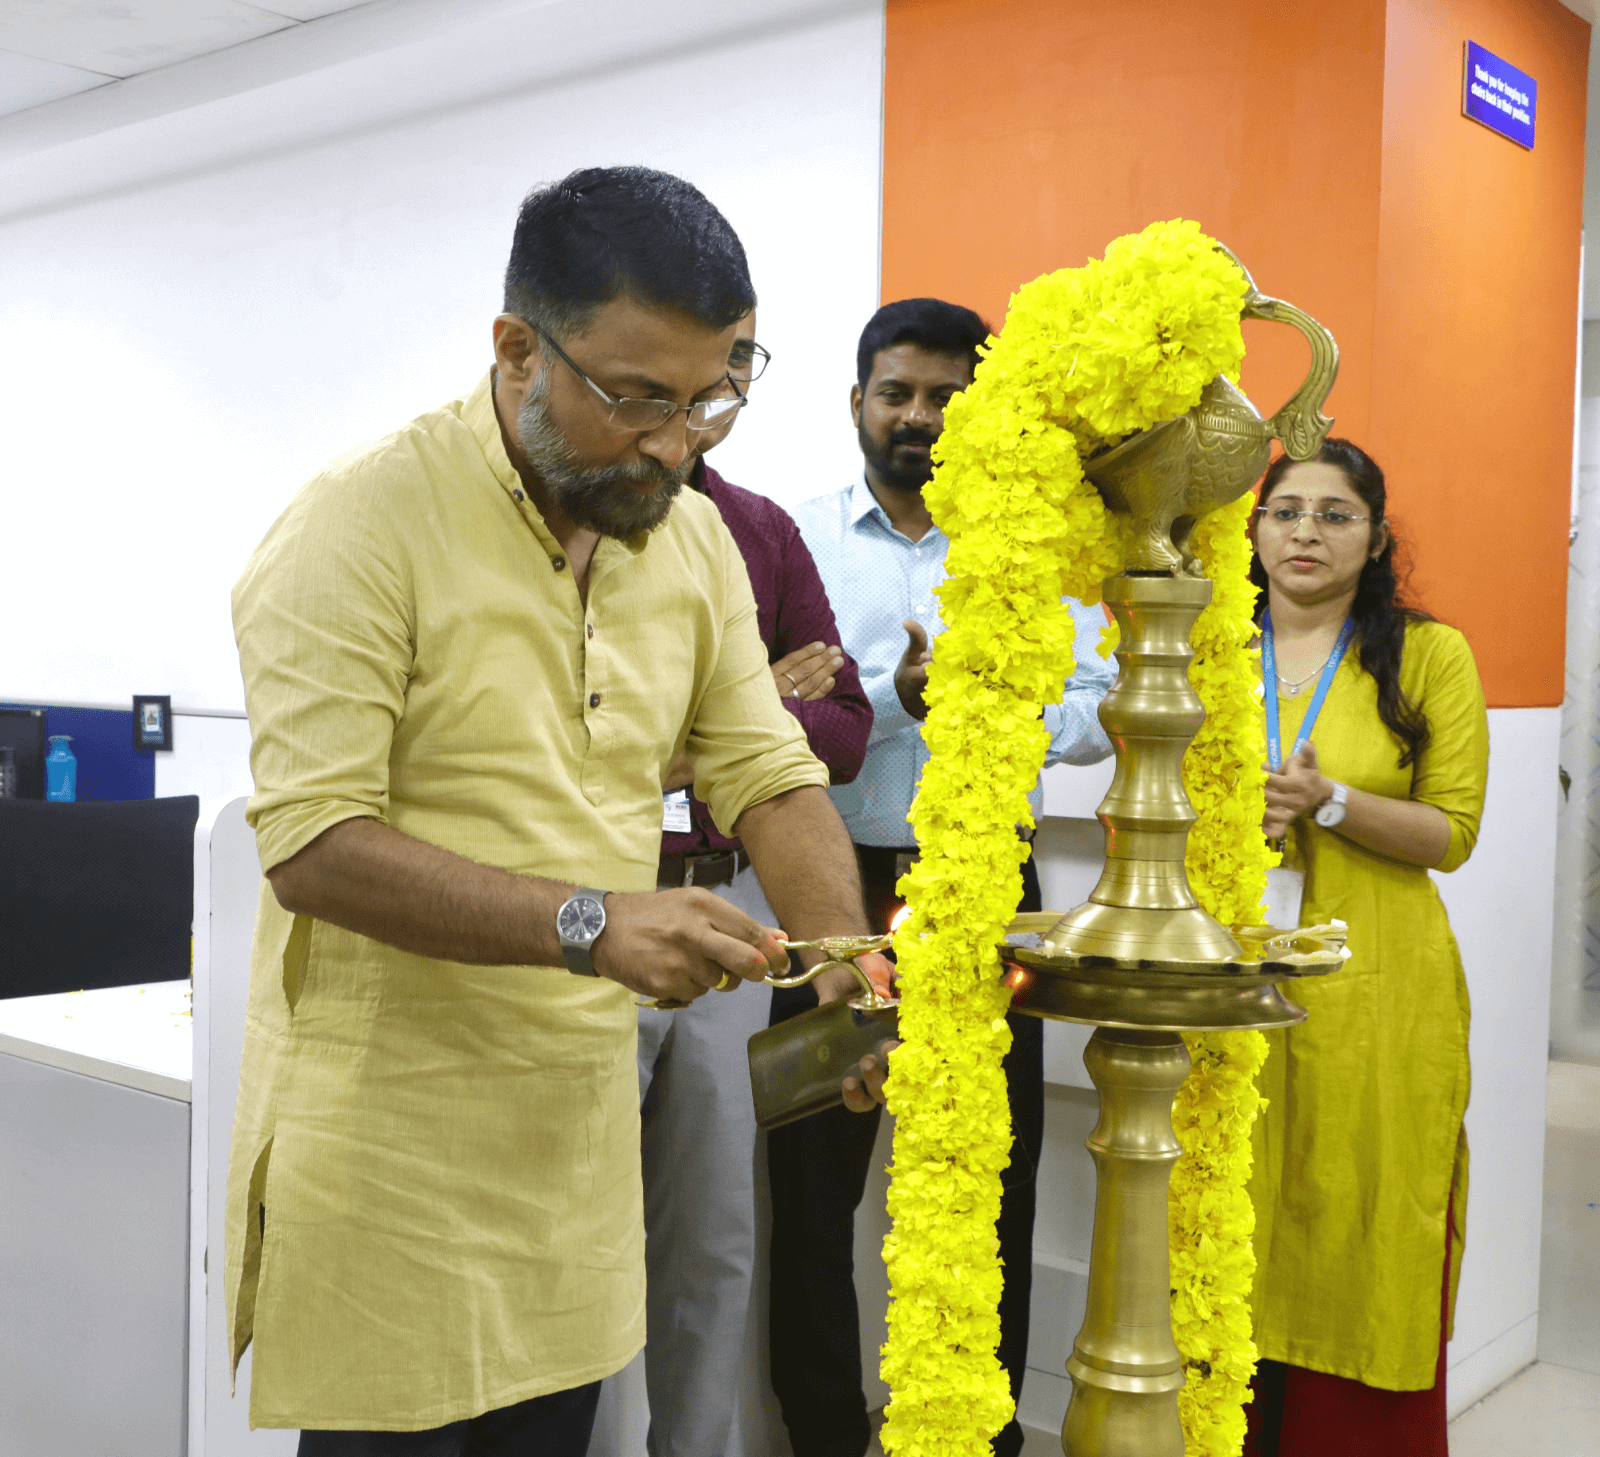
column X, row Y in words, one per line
column 210, row 757
column 1575, row 987
column 1500, row 909
column 255, row 261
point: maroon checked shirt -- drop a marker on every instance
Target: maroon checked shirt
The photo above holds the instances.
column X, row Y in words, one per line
column 791, row 610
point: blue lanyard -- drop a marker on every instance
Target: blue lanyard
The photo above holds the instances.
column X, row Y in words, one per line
column 1269, row 676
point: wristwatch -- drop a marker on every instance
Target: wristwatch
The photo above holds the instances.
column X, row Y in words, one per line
column 1331, row 811
column 579, row 922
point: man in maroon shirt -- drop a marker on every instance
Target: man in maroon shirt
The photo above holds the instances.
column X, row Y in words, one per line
column 698, row 1123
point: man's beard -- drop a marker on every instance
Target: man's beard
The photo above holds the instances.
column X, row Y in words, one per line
column 597, row 498
column 906, row 476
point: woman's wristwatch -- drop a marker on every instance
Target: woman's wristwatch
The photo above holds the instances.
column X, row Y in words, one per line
column 1331, row 811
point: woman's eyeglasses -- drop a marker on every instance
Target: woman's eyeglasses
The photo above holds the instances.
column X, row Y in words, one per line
column 1288, row 516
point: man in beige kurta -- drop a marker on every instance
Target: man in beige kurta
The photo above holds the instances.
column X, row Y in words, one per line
column 465, row 682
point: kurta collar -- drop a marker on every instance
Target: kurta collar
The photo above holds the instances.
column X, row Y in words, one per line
column 483, row 419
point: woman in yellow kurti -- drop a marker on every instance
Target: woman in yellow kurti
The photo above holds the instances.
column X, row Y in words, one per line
column 1361, row 1161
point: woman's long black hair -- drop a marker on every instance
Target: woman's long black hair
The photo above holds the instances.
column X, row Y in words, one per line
column 1380, row 613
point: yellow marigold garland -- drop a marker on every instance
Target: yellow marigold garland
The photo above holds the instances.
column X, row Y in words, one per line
column 997, row 666
column 1227, row 859
column 1088, row 355
column 1210, row 1217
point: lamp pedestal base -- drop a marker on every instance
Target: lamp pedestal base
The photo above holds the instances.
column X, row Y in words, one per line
column 1125, row 1367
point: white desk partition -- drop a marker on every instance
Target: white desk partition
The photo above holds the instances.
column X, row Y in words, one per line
column 94, row 1151
column 227, row 878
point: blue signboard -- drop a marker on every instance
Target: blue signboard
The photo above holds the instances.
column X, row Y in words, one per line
column 1500, row 96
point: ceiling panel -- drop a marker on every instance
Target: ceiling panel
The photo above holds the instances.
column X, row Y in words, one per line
column 25, row 81
column 309, row 9
column 124, row 37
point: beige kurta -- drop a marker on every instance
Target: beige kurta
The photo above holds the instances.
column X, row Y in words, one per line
column 445, row 1158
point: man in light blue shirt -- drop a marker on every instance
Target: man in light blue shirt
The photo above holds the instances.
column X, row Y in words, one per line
column 880, row 580
column 881, row 556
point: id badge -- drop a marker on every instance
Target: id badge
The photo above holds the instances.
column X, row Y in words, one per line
column 675, row 817
column 1286, row 888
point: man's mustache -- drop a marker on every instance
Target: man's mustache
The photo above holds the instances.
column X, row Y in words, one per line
column 654, row 473
column 910, row 437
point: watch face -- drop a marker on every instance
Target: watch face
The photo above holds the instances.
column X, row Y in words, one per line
column 581, row 919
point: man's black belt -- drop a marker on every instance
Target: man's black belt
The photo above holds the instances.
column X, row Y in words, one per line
column 718, row 867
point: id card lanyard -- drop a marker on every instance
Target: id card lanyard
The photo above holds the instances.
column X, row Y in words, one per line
column 1286, row 887
column 1269, row 675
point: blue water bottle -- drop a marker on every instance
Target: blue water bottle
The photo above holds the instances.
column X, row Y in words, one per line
column 60, row 769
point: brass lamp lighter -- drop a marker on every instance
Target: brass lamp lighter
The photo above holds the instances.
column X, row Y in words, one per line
column 797, row 1068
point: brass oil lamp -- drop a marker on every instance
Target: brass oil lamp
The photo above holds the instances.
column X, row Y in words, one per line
column 1141, row 959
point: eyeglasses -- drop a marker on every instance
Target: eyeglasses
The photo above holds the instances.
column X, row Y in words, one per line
column 1288, row 516
column 747, row 361
column 643, row 416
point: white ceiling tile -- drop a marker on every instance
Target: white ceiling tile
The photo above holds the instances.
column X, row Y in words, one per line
column 26, row 82
column 309, row 9
column 124, row 37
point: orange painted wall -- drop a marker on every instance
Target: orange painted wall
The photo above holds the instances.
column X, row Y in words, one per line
column 1022, row 135
column 1476, row 330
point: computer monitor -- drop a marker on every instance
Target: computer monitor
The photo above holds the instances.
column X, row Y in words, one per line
column 22, row 730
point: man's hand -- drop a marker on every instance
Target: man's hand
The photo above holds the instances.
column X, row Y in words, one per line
column 803, row 856
column 677, row 944
column 1295, row 790
column 807, row 673
column 862, row 1094
column 911, row 676
column 839, row 982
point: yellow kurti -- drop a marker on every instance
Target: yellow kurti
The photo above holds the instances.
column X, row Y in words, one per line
column 1362, row 1138
column 445, row 1158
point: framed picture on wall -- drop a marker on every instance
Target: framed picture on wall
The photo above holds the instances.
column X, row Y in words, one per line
column 152, row 722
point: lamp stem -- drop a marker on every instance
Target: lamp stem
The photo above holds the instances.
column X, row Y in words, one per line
column 1125, row 1368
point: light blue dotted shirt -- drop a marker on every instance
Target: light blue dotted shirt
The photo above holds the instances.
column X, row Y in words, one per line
column 877, row 578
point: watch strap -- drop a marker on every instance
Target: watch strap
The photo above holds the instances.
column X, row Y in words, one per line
column 579, row 959
column 579, row 955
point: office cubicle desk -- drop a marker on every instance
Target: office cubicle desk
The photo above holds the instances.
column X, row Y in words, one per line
column 95, row 1089
column 116, row 1110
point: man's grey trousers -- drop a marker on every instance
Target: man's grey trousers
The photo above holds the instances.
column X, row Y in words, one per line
column 706, row 1226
